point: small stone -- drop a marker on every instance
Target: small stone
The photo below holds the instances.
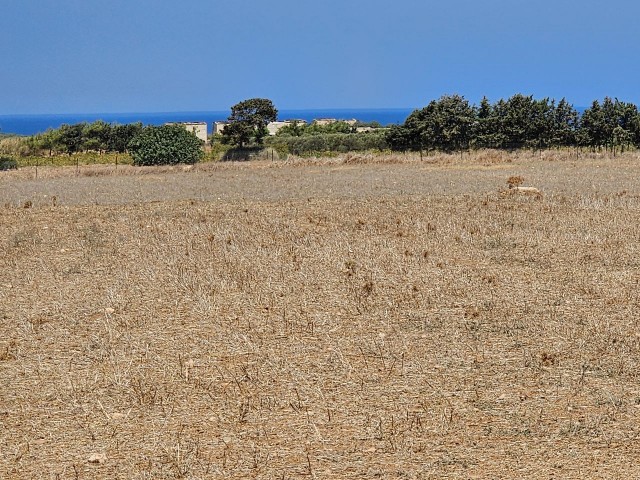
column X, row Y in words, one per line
column 109, row 310
column 97, row 458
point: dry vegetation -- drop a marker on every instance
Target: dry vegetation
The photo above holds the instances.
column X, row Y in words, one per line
column 397, row 319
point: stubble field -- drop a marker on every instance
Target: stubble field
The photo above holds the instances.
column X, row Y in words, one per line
column 358, row 317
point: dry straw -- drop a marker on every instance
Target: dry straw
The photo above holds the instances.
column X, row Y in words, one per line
column 355, row 332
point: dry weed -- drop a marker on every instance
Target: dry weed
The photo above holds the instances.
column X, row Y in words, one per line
column 354, row 334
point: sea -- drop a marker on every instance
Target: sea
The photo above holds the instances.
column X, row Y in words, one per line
column 33, row 124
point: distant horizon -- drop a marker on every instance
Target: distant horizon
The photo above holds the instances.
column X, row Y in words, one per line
column 32, row 124
column 228, row 110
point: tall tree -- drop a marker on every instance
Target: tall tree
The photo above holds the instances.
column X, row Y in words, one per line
column 121, row 135
column 591, row 129
column 69, row 138
column 249, row 120
column 96, row 135
column 444, row 124
column 565, row 122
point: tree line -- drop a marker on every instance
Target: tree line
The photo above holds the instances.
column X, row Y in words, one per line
column 98, row 136
column 448, row 124
column 451, row 123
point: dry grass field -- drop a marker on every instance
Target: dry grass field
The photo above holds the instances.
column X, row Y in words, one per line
column 351, row 318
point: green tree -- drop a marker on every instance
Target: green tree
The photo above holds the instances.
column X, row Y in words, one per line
column 591, row 130
column 121, row 135
column 516, row 121
column 96, row 136
column 70, row 139
column 565, row 122
column 482, row 128
column 249, row 120
column 444, row 124
column 48, row 140
column 165, row 145
column 295, row 129
column 539, row 135
column 403, row 138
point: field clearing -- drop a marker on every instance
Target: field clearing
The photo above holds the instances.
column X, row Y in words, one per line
column 342, row 318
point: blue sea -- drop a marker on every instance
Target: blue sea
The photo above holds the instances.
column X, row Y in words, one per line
column 32, row 124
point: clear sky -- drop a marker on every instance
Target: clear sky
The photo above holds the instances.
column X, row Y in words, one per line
column 76, row 56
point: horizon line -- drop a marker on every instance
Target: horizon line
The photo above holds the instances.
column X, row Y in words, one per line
column 164, row 112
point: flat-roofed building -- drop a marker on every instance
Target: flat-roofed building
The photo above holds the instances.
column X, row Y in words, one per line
column 218, row 127
column 197, row 128
column 273, row 127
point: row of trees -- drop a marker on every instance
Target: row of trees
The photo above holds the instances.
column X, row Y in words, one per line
column 452, row 123
column 97, row 136
column 148, row 145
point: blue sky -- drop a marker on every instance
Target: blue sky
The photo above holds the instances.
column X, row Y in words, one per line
column 75, row 56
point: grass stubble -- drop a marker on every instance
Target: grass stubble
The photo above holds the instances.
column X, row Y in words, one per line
column 463, row 335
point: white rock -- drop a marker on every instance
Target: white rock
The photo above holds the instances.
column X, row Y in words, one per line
column 97, row 458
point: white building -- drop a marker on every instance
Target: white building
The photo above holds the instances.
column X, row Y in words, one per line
column 218, row 127
column 198, row 128
column 273, row 127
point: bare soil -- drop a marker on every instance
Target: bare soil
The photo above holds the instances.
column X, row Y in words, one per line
column 358, row 317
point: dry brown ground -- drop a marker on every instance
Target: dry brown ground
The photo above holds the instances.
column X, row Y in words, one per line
column 322, row 319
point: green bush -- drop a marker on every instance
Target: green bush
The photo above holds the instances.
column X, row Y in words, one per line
column 8, row 163
column 242, row 154
column 165, row 145
column 329, row 142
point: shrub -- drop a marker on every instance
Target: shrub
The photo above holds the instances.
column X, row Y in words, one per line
column 18, row 146
column 165, row 145
column 8, row 163
column 241, row 154
column 329, row 142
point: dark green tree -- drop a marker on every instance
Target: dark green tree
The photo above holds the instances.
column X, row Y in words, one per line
column 248, row 121
column 444, row 124
column 121, row 135
column 96, row 136
column 539, row 134
column 165, row 145
column 70, row 139
column 516, row 121
column 482, row 126
column 403, row 138
column 591, row 130
column 565, row 123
